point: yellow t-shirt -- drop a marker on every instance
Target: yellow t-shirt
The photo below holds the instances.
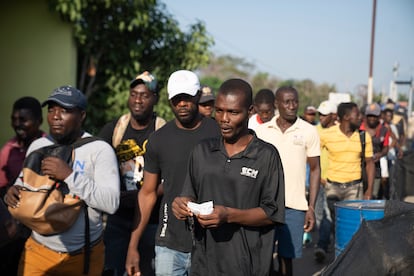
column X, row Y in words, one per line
column 344, row 154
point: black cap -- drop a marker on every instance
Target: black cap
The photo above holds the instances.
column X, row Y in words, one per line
column 206, row 94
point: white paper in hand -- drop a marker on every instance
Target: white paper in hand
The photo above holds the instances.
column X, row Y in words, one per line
column 205, row 208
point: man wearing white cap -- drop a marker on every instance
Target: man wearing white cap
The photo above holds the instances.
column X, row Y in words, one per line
column 166, row 158
column 327, row 118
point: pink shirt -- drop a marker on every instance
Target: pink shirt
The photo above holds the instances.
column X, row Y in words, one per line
column 11, row 161
column 12, row 156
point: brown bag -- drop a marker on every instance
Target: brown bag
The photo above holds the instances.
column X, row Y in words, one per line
column 46, row 207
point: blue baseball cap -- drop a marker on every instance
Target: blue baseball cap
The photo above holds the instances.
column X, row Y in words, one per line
column 68, row 97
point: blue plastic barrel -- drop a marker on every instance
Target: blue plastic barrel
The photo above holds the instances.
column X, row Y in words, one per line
column 349, row 215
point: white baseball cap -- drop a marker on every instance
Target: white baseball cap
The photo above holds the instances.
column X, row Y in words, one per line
column 183, row 82
column 327, row 107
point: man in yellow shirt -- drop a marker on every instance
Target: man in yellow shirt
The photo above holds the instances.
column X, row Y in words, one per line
column 344, row 148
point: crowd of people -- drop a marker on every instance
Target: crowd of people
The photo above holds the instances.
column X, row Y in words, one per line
column 270, row 175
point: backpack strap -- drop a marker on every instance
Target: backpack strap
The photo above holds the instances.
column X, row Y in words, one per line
column 120, row 128
column 122, row 124
column 84, row 141
column 159, row 122
column 363, row 169
column 362, row 138
column 87, row 247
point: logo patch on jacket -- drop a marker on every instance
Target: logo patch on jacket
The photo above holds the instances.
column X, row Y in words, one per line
column 249, row 172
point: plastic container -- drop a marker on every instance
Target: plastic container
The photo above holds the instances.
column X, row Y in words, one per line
column 349, row 215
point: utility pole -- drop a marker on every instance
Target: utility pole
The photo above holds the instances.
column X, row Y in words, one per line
column 371, row 61
column 393, row 87
column 410, row 93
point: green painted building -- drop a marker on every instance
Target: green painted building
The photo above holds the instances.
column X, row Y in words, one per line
column 37, row 54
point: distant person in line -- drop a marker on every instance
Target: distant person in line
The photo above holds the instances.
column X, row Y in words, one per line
column 399, row 119
column 94, row 178
column 26, row 118
column 395, row 148
column 206, row 103
column 128, row 135
column 243, row 176
column 264, row 108
column 380, row 135
column 395, row 151
column 327, row 119
column 297, row 142
column 309, row 114
column 343, row 144
column 168, row 150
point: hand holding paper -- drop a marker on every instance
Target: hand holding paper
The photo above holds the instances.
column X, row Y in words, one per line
column 205, row 208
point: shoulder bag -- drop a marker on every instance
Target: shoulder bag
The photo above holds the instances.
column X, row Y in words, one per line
column 46, row 206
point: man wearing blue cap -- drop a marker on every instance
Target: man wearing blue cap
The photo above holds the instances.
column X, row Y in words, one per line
column 93, row 178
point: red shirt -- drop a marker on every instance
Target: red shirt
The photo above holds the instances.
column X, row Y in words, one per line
column 382, row 136
column 11, row 161
column 12, row 156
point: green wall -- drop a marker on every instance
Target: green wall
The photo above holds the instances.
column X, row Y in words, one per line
column 37, row 54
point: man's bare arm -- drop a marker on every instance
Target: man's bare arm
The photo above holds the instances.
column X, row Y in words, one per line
column 147, row 197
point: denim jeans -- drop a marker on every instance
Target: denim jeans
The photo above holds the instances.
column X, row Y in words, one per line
column 169, row 262
column 116, row 238
column 323, row 219
column 289, row 236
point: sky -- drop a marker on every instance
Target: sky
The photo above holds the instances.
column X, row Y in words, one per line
column 327, row 41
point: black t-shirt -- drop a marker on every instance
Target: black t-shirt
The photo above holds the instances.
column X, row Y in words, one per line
column 130, row 154
column 252, row 178
column 167, row 154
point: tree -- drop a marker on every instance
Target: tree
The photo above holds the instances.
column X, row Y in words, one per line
column 221, row 68
column 117, row 40
column 263, row 80
column 213, row 82
column 224, row 67
column 310, row 93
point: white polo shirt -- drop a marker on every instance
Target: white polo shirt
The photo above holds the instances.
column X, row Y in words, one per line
column 298, row 142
